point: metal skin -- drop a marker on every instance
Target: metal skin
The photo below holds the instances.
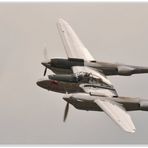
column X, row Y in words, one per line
column 70, row 83
column 85, row 84
column 80, row 100
column 59, row 86
column 63, row 66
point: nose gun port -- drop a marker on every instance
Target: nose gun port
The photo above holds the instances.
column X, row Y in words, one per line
column 42, row 83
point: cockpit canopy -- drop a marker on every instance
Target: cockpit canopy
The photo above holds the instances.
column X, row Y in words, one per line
column 90, row 79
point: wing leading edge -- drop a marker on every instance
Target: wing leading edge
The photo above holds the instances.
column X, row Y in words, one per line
column 72, row 44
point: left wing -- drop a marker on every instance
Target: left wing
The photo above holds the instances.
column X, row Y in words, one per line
column 117, row 113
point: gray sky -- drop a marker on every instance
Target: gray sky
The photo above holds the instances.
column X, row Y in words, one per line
column 31, row 115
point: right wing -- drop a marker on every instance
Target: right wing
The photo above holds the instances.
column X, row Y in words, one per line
column 72, row 44
column 117, row 113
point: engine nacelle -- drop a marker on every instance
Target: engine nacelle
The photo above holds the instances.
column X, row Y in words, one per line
column 144, row 105
column 125, row 70
column 60, row 63
column 66, row 63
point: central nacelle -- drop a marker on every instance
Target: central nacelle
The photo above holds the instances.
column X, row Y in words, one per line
column 81, row 77
column 71, row 78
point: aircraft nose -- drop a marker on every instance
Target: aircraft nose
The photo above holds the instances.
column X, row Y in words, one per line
column 67, row 97
column 39, row 83
column 42, row 83
column 44, row 64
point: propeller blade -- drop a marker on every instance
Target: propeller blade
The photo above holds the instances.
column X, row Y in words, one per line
column 66, row 111
column 45, row 71
column 45, row 54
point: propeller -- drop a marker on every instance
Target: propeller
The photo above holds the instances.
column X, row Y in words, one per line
column 46, row 58
column 66, row 112
column 45, row 71
column 45, row 54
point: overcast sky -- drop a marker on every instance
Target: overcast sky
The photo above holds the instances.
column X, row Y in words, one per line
column 31, row 115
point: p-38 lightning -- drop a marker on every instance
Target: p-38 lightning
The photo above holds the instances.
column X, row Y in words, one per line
column 83, row 81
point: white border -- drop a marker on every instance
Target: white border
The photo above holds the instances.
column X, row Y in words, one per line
column 73, row 1
column 67, row 146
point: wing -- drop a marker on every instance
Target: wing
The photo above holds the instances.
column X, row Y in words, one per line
column 117, row 113
column 72, row 44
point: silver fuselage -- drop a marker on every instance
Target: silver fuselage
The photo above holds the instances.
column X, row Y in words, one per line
column 81, row 102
